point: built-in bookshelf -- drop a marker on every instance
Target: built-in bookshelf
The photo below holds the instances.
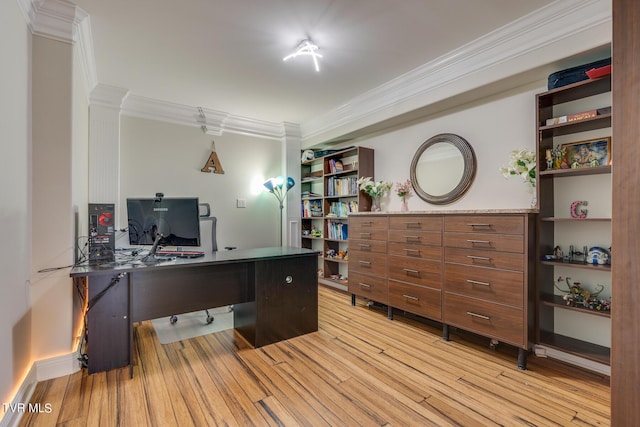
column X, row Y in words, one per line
column 329, row 194
column 564, row 237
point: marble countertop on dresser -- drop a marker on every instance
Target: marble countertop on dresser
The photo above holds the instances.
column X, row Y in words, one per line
column 452, row 212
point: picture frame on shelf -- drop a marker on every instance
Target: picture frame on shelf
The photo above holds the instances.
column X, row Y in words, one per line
column 588, row 153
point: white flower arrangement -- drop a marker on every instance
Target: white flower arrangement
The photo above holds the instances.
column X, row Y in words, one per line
column 372, row 188
column 523, row 164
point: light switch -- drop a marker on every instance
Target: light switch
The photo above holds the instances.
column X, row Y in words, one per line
column 241, row 203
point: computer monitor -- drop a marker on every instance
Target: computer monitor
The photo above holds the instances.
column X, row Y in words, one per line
column 175, row 218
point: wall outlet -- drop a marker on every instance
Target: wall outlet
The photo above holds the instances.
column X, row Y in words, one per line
column 241, row 203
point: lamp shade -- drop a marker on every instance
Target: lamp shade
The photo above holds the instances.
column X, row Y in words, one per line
column 268, row 184
column 290, row 183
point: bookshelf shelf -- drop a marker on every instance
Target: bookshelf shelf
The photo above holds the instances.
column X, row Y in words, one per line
column 332, row 180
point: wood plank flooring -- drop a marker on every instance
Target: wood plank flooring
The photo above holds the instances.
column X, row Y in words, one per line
column 359, row 369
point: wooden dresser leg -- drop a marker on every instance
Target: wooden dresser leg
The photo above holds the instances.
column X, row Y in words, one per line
column 445, row 332
column 353, row 299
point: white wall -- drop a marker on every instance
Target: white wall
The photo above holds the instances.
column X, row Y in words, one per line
column 494, row 127
column 15, row 192
column 52, row 208
column 162, row 157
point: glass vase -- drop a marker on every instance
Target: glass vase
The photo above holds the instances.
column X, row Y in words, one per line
column 375, row 204
column 405, row 205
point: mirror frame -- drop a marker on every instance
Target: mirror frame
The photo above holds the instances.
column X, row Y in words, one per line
column 469, row 172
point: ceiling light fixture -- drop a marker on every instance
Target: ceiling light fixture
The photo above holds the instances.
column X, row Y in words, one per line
column 306, row 47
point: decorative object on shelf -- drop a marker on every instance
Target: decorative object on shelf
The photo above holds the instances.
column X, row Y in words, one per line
column 279, row 187
column 589, row 153
column 598, row 256
column 307, row 155
column 403, row 190
column 374, row 189
column 577, row 296
column 559, row 158
column 549, row 158
column 574, row 255
column 315, row 232
column 574, row 209
column 523, row 164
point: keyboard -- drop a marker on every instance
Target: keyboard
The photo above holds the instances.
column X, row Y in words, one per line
column 178, row 254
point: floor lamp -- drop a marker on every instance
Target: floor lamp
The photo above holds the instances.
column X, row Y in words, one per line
column 279, row 187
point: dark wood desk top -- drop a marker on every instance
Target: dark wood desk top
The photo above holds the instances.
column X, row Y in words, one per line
column 133, row 263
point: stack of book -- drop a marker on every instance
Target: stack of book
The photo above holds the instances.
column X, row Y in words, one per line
column 342, row 209
column 337, row 230
column 342, row 186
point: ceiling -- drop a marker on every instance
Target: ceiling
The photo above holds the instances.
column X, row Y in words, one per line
column 226, row 55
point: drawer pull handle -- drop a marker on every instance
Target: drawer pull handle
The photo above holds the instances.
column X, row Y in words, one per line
column 408, row 238
column 477, row 224
column 412, row 224
column 366, row 223
column 364, row 245
column 417, row 251
column 410, row 297
column 364, row 285
column 486, row 242
column 365, row 234
column 365, row 262
column 481, row 258
column 408, row 270
column 471, row 313
column 475, row 282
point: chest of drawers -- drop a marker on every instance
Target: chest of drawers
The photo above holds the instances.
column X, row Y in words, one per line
column 473, row 271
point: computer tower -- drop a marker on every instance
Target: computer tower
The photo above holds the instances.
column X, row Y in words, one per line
column 102, row 242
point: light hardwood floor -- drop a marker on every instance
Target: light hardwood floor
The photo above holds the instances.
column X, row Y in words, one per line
column 359, row 369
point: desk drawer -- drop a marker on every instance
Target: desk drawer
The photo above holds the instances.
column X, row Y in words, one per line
column 500, row 286
column 504, row 260
column 416, row 299
column 485, row 318
column 377, row 246
column 424, row 223
column 372, row 287
column 486, row 242
column 415, row 270
column 368, row 263
column 359, row 223
column 485, row 224
column 416, row 251
column 412, row 236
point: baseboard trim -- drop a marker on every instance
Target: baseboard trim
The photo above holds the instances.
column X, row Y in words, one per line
column 41, row 370
column 58, row 366
column 543, row 351
column 11, row 418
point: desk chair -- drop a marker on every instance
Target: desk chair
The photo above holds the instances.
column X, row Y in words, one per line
column 214, row 246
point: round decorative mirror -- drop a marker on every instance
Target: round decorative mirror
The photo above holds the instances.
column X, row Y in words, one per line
column 443, row 168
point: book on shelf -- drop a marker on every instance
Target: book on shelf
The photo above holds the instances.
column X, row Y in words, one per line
column 578, row 116
column 342, row 209
column 310, row 195
column 337, row 230
column 346, row 186
column 311, row 208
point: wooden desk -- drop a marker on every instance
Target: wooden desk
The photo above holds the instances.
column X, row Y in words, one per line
column 274, row 292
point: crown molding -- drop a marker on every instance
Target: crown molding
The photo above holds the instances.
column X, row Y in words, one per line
column 559, row 20
column 108, row 96
column 211, row 122
column 54, row 19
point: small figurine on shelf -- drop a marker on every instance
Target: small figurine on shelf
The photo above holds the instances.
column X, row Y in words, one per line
column 315, row 232
column 549, row 158
column 577, row 296
column 331, row 253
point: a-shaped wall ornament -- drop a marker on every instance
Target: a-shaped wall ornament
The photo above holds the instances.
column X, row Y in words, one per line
column 213, row 163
